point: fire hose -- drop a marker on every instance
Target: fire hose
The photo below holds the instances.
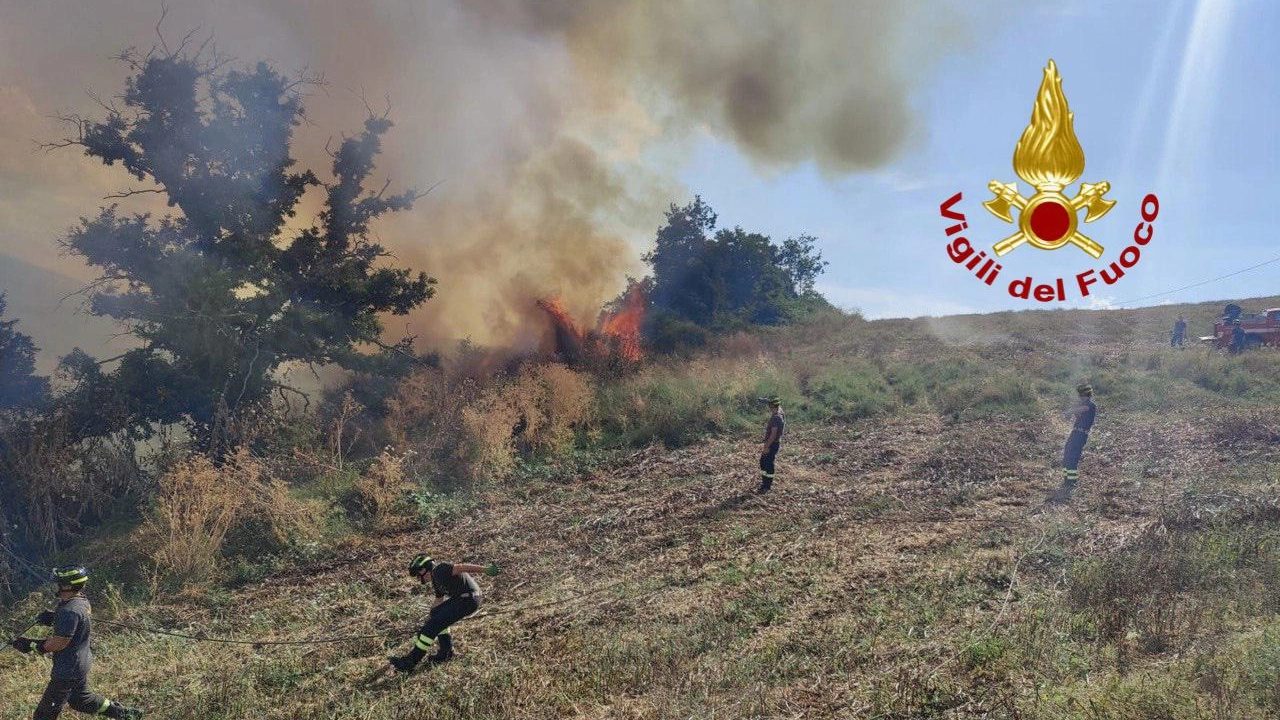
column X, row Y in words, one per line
column 344, row 638
column 9, row 643
column 257, row 643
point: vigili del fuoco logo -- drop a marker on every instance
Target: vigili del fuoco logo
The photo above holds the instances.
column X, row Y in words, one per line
column 1049, row 158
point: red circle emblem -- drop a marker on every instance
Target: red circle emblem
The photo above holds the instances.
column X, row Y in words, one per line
column 1050, row 221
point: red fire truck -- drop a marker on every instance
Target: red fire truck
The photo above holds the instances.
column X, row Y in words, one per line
column 1259, row 328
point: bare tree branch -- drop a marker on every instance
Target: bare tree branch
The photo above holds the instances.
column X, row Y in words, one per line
column 77, row 122
column 131, row 193
column 164, row 11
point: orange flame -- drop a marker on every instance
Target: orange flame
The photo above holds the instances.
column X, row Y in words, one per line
column 617, row 331
column 1048, row 154
column 568, row 336
column 624, row 325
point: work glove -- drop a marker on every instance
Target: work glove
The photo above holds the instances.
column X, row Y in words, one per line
column 23, row 645
column 491, row 570
column 45, row 618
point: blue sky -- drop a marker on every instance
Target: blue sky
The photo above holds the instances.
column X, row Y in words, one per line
column 1178, row 98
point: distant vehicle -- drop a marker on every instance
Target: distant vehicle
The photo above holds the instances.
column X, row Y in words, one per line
column 1259, row 328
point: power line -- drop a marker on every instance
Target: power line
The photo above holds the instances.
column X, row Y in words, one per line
column 1202, row 282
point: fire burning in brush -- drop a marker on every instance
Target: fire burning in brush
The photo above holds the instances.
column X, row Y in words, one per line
column 616, row 332
column 623, row 326
column 569, row 338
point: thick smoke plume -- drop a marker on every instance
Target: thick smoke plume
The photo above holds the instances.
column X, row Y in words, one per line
column 554, row 128
column 820, row 80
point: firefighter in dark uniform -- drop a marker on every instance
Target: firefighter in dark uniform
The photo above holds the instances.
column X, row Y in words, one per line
column 69, row 644
column 772, row 440
column 457, row 596
column 1083, row 414
column 1237, row 337
column 1179, row 333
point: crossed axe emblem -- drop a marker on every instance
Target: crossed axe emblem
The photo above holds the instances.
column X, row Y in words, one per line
column 1042, row 224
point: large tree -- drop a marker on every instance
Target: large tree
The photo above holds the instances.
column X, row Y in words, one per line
column 704, row 279
column 20, row 387
column 225, row 289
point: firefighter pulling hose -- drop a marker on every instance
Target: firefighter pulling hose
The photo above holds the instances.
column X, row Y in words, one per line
column 457, row 597
column 69, row 644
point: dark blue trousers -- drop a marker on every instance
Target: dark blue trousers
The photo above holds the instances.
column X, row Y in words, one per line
column 1073, row 449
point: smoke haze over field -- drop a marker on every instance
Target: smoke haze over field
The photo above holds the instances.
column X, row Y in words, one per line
column 554, row 129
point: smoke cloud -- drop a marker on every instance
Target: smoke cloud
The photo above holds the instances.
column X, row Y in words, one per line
column 553, row 128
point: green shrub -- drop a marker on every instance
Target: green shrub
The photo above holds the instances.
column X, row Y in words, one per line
column 849, row 392
column 983, row 653
column 676, row 404
column 670, row 334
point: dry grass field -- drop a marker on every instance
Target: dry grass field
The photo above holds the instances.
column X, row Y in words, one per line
column 905, row 566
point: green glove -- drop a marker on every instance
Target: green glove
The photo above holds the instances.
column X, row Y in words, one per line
column 491, row 570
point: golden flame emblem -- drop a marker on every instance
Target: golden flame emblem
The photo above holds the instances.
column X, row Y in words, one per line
column 1049, row 157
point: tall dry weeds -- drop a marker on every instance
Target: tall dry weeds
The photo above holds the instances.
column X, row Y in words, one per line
column 383, row 485
column 52, row 486
column 489, row 425
column 198, row 503
column 539, row 411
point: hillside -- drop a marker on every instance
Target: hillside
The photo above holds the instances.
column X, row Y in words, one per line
column 905, row 566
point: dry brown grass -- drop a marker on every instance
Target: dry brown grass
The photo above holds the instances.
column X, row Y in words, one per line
column 538, row 411
column 553, row 402
column 488, row 425
column 904, row 567
column 382, row 486
column 198, row 503
column 58, row 486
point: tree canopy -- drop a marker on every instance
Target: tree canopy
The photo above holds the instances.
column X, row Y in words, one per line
column 704, row 279
column 20, row 387
column 225, row 289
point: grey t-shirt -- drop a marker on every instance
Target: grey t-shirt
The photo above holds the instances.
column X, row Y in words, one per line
column 445, row 583
column 71, row 620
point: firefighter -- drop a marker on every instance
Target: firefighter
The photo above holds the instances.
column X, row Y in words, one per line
column 772, row 439
column 1237, row 337
column 1083, row 414
column 457, row 596
column 69, row 644
column 1179, row 333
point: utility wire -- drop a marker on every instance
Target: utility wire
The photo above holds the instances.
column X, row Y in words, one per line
column 1202, row 282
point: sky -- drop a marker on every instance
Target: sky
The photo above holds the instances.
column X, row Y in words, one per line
column 560, row 132
column 1178, row 97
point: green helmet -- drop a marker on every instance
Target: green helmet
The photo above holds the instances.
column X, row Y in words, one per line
column 420, row 563
column 1084, row 389
column 73, row 576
